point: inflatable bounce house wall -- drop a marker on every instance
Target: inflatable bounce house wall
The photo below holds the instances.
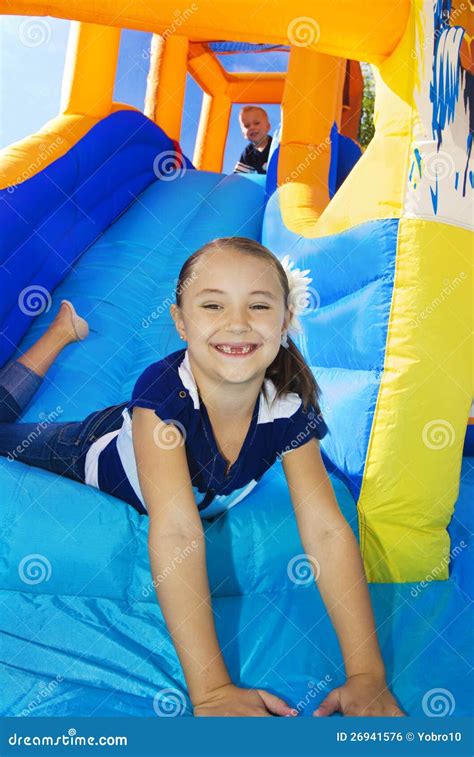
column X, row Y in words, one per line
column 102, row 207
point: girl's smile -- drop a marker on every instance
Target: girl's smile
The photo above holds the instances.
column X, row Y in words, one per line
column 236, row 349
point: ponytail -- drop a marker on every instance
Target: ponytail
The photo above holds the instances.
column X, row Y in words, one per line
column 290, row 373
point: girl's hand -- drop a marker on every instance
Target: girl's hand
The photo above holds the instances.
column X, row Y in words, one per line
column 232, row 701
column 362, row 694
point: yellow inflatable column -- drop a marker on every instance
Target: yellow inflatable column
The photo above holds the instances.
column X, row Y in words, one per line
column 166, row 83
column 305, row 147
column 212, row 132
column 89, row 70
column 215, row 110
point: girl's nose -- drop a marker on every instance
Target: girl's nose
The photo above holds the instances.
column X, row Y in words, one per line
column 238, row 326
column 238, row 317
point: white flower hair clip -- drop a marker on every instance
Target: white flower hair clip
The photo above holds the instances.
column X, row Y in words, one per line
column 298, row 298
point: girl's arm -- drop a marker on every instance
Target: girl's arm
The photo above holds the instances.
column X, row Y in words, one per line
column 176, row 547
column 327, row 537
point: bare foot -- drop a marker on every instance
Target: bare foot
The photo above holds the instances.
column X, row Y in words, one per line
column 63, row 324
column 67, row 327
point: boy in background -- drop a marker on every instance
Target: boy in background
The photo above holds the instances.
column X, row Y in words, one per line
column 255, row 127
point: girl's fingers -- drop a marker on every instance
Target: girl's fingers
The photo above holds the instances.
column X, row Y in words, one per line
column 275, row 704
column 329, row 705
column 396, row 713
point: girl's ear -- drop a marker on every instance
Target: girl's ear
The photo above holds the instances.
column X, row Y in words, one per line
column 288, row 317
column 176, row 316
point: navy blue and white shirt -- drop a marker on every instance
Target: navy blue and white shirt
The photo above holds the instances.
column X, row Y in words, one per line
column 168, row 387
column 253, row 160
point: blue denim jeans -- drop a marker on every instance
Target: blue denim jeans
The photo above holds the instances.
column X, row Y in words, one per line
column 57, row 447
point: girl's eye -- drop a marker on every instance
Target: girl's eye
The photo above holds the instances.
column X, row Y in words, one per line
column 214, row 305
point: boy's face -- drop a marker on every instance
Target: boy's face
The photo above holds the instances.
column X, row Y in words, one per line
column 254, row 124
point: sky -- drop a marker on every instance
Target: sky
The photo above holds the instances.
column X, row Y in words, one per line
column 33, row 51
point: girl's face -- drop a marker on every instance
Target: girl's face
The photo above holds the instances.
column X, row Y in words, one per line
column 233, row 333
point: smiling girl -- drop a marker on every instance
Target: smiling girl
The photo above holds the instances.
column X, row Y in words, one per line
column 201, row 428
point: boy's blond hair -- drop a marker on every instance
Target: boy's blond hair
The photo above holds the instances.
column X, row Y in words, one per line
column 246, row 108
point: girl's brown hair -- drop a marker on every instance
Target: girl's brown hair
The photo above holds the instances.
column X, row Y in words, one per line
column 289, row 371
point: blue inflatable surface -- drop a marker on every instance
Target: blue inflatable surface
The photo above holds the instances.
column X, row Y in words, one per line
column 84, row 635
column 344, row 155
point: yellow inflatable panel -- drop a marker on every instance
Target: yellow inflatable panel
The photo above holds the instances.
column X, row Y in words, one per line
column 411, row 479
column 359, row 30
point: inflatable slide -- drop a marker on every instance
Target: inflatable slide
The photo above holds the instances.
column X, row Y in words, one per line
column 102, row 207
